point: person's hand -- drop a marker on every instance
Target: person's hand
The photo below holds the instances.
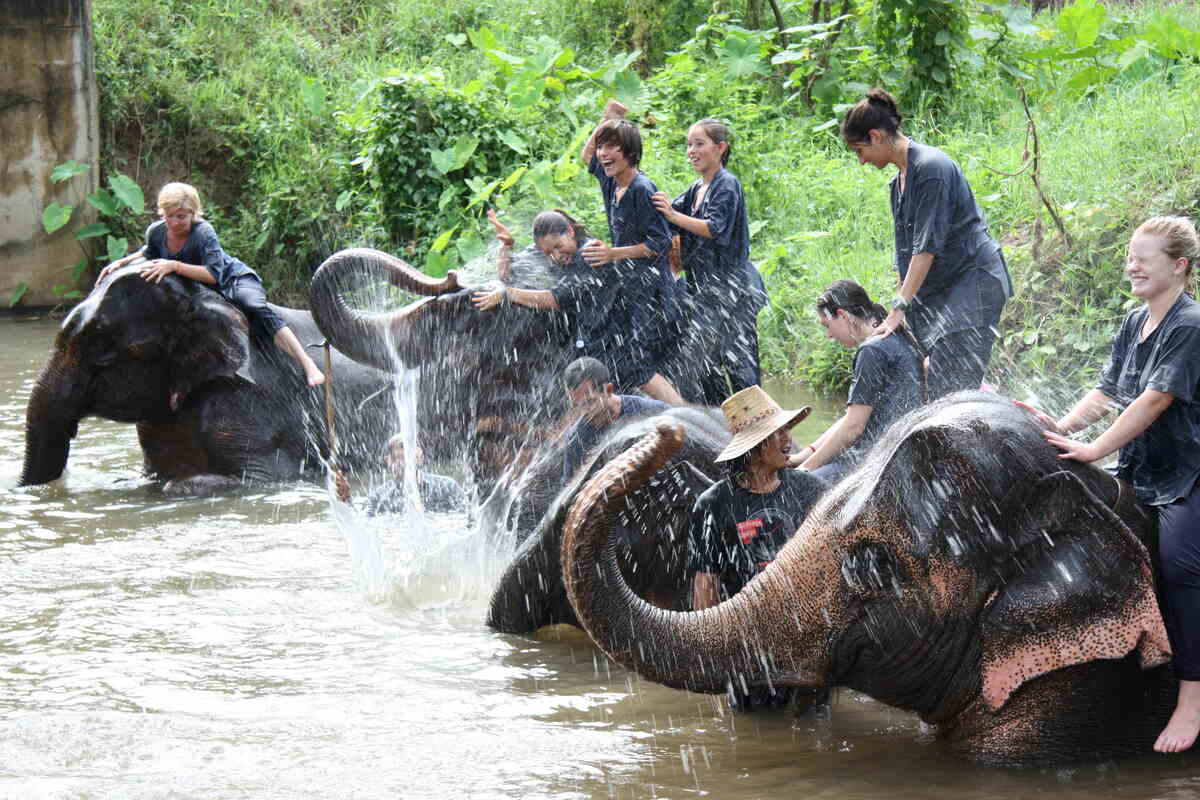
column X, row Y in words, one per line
column 663, row 204
column 111, row 268
column 158, row 269
column 1079, row 451
column 597, row 253
column 114, row 266
column 891, row 324
column 483, row 299
column 342, row 486
column 1045, row 420
column 503, row 234
column 615, row 109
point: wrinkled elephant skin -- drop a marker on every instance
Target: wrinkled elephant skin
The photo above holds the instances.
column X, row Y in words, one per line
column 653, row 548
column 964, row 572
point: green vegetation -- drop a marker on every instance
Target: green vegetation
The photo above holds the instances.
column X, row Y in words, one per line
column 311, row 125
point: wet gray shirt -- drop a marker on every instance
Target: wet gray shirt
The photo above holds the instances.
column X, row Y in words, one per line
column 937, row 213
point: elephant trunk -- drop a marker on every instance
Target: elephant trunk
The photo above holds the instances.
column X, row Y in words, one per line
column 748, row 640
column 368, row 338
column 51, row 421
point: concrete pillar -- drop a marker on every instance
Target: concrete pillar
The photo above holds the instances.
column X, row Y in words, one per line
column 47, row 117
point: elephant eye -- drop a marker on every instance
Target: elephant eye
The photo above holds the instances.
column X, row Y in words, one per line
column 145, row 350
column 869, row 568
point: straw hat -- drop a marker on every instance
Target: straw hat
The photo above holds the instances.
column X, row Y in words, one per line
column 753, row 416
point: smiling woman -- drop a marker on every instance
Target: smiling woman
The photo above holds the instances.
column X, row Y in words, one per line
column 1153, row 375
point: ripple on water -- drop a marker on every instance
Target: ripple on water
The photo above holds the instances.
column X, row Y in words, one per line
column 156, row 647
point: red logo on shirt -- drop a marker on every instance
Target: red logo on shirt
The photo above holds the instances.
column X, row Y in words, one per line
column 749, row 530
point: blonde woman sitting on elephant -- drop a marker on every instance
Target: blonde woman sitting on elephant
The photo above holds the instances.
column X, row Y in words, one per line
column 183, row 242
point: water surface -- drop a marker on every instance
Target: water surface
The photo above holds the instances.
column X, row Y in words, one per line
column 232, row 647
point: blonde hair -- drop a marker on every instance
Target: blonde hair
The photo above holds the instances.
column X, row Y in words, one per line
column 1179, row 238
column 179, row 195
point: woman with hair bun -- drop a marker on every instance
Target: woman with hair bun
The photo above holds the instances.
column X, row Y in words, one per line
column 889, row 379
column 953, row 281
column 714, row 237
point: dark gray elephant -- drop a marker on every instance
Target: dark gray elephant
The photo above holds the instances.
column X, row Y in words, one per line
column 242, row 410
column 490, row 382
column 653, row 548
column 964, row 572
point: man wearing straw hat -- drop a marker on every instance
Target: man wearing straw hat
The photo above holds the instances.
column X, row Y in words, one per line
column 742, row 520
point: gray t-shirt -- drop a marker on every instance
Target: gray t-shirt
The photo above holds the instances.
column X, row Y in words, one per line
column 937, row 213
column 887, row 377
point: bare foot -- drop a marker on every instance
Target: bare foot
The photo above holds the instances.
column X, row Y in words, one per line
column 315, row 377
column 1181, row 730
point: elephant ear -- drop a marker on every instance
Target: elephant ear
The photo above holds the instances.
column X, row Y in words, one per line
column 213, row 342
column 1079, row 588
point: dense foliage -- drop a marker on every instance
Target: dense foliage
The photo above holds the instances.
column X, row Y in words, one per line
column 311, row 125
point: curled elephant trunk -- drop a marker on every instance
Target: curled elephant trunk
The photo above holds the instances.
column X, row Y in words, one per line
column 51, row 421
column 371, row 338
column 738, row 642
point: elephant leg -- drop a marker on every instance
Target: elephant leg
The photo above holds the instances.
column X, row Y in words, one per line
column 172, row 449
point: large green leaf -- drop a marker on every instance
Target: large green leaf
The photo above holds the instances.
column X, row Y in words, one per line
column 92, row 231
column 436, row 265
column 546, row 52
column 627, row 87
column 439, row 244
column 741, row 56
column 128, row 193
column 1081, row 21
column 526, row 89
column 68, row 170
column 514, row 141
column 117, row 248
column 513, row 178
column 313, row 93
column 17, row 293
column 483, row 39
column 541, row 177
column 55, row 216
column 455, row 157
column 481, row 190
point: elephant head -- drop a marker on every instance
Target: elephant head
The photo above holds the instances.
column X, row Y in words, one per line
column 490, row 380
column 963, row 572
column 654, row 519
column 131, row 351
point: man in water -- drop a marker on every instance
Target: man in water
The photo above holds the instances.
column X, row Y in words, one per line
column 590, row 390
column 439, row 493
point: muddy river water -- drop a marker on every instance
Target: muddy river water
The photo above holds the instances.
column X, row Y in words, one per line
column 266, row 644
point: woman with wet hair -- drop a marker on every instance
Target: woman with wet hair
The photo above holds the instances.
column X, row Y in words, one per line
column 1153, row 377
column 640, row 252
column 714, row 245
column 889, row 379
column 592, row 298
column 953, row 281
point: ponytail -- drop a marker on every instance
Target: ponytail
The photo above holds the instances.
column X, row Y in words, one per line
column 876, row 111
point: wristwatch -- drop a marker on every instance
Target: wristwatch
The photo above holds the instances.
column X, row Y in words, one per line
column 899, row 303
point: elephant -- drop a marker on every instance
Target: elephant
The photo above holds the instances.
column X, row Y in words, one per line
column 963, row 572
column 654, row 548
column 490, row 381
column 214, row 406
